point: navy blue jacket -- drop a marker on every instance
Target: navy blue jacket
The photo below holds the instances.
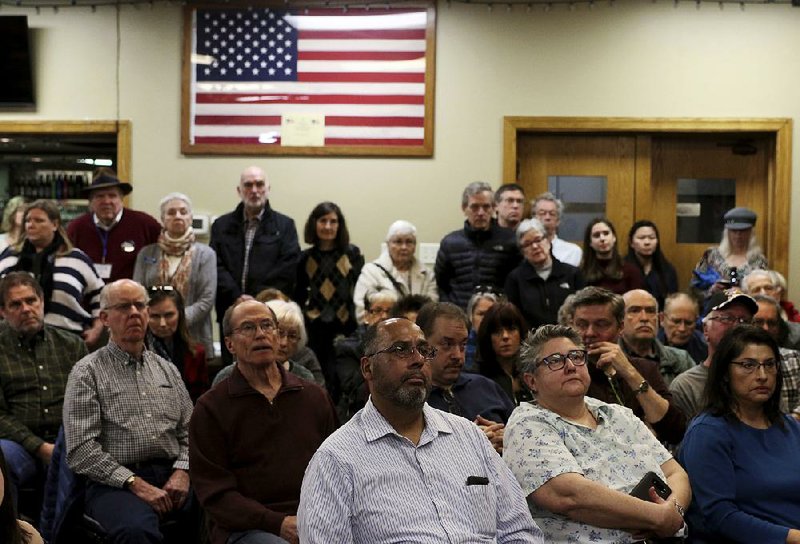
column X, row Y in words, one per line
column 468, row 258
column 273, row 257
column 475, row 395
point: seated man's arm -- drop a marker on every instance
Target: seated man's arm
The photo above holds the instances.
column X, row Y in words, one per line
column 82, row 428
column 324, row 515
column 215, row 484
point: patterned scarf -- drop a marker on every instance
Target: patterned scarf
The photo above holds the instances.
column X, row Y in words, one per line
column 176, row 247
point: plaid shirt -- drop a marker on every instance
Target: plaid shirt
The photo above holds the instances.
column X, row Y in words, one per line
column 119, row 410
column 33, row 376
column 790, row 369
column 249, row 235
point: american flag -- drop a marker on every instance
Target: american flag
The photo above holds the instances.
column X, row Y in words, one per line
column 363, row 70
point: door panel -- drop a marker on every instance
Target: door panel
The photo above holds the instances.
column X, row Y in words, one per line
column 566, row 160
column 707, row 159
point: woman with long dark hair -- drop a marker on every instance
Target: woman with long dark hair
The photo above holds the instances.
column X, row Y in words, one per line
column 602, row 265
column 741, row 451
column 644, row 252
column 168, row 335
column 326, row 277
column 499, row 339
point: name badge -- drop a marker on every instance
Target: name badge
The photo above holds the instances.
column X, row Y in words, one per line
column 128, row 246
column 103, row 270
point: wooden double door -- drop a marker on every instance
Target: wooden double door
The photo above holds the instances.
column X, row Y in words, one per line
column 682, row 181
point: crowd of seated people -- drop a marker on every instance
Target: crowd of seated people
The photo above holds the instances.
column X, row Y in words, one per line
column 113, row 330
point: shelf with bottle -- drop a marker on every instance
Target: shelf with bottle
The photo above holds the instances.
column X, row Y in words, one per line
column 55, row 184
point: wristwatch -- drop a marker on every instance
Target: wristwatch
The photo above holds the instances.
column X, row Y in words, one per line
column 129, row 482
column 644, row 387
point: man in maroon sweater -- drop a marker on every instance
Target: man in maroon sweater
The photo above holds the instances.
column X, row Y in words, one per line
column 110, row 234
column 252, row 436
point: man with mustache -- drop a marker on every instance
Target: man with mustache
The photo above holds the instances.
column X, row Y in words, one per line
column 402, row 471
column 616, row 378
column 126, row 423
column 253, row 435
column 472, row 396
column 638, row 338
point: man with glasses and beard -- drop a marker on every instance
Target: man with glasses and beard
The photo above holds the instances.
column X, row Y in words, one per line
column 402, row 471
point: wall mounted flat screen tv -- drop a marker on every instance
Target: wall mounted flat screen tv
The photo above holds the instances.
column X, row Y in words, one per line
column 16, row 91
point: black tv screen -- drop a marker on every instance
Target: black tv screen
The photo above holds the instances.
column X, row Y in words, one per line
column 16, row 91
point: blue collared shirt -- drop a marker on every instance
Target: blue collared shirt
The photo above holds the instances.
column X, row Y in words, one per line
column 368, row 484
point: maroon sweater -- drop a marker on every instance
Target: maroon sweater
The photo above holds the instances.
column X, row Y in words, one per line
column 247, row 456
column 136, row 228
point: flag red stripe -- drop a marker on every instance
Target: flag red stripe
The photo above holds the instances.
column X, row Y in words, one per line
column 388, row 34
column 356, row 11
column 332, row 120
column 211, row 98
column 361, row 77
column 360, row 55
column 328, row 141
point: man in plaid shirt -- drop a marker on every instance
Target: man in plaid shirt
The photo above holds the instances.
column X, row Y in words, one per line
column 35, row 360
column 126, row 422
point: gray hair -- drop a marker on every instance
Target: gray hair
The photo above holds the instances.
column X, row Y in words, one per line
column 474, row 188
column 597, row 296
column 769, row 300
column 289, row 314
column 174, row 196
column 476, row 298
column 753, row 248
column 531, row 351
column 401, row 226
column 567, row 311
column 775, row 278
column 227, row 319
column 107, row 291
column 674, row 297
column 528, row 225
column 550, row 197
column 373, row 296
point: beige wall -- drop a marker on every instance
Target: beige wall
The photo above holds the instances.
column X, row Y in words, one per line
column 634, row 59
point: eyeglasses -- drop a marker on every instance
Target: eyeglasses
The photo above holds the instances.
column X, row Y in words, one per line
column 749, row 366
column 758, row 322
column 484, row 289
column 511, row 200
column 377, row 310
column 729, row 319
column 248, row 328
column 126, row 306
column 291, row 336
column 551, row 213
column 557, row 361
column 405, row 350
column 536, row 241
column 677, row 321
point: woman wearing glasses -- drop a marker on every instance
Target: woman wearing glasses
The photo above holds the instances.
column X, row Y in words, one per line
column 185, row 264
column 168, row 336
column 539, row 285
column 577, row 458
column 741, row 451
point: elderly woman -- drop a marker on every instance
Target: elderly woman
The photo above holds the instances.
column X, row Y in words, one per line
column 772, row 284
column 577, row 458
column 68, row 277
column 737, row 254
column 602, row 265
column 499, row 339
column 541, row 283
column 12, row 222
column 188, row 266
column 741, row 451
column 397, row 269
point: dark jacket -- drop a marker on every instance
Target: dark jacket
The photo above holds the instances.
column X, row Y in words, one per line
column 273, row 257
column 538, row 299
column 468, row 258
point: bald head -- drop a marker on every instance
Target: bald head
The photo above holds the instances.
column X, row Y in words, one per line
column 641, row 318
column 253, row 189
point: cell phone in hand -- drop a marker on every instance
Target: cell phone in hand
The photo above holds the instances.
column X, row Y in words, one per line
column 651, row 479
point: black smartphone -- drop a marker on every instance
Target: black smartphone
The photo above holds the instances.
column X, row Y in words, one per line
column 651, row 479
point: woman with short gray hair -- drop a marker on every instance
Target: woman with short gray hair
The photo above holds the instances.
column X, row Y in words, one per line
column 541, row 283
column 396, row 269
column 188, row 266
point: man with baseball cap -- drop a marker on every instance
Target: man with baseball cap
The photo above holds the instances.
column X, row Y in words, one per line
column 109, row 233
column 727, row 309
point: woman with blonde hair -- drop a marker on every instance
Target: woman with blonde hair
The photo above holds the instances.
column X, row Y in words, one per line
column 12, row 222
column 67, row 275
